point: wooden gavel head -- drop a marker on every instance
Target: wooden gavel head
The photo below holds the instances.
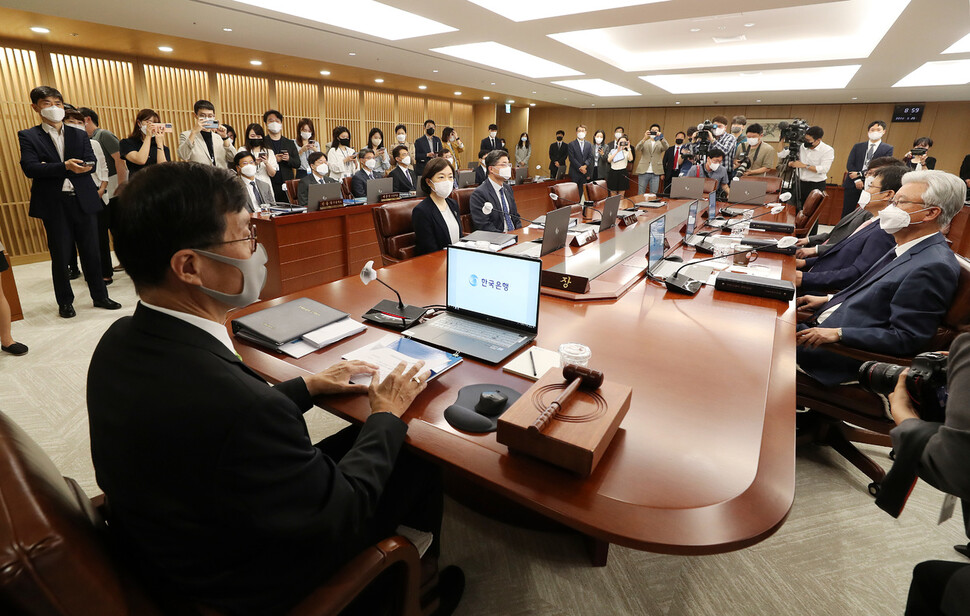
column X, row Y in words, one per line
column 589, row 378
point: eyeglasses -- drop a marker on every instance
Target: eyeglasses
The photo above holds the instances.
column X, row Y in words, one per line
column 251, row 239
column 898, row 202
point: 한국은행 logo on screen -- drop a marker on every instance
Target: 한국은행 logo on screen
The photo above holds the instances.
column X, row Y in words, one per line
column 473, row 280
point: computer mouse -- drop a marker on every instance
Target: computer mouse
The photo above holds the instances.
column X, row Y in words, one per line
column 491, row 403
column 675, row 259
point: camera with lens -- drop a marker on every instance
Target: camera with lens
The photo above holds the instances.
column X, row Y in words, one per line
column 794, row 131
column 925, row 382
column 918, row 151
column 743, row 163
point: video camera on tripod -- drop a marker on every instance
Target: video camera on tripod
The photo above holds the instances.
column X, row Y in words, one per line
column 793, row 134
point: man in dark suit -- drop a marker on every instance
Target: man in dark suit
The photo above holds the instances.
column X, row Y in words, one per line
column 481, row 171
column 857, row 164
column 217, row 493
column 580, row 158
column 558, row 153
column 672, row 161
column 493, row 142
column 319, row 174
column 492, row 204
column 851, row 257
column 426, row 148
column 897, row 305
column 405, row 180
column 59, row 159
column 368, row 162
column 287, row 154
column 259, row 192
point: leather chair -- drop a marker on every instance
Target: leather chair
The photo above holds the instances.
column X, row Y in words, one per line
column 568, row 193
column 345, row 187
column 596, row 191
column 56, row 558
column 811, row 210
column 395, row 235
column 464, row 196
column 844, row 414
column 291, row 188
column 772, row 183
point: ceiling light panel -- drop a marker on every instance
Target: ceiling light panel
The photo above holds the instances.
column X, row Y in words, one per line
column 945, row 73
column 597, row 87
column 496, row 55
column 961, row 46
column 527, row 10
column 821, row 78
column 852, row 30
column 365, row 16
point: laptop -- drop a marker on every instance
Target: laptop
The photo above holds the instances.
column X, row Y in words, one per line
column 520, row 174
column 747, row 191
column 689, row 238
column 687, row 188
column 322, row 192
column 492, row 301
column 466, row 178
column 378, row 187
column 657, row 266
column 554, row 235
column 561, row 172
column 419, row 190
column 611, row 207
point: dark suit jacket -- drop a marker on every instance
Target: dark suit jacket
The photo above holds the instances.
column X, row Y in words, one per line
column 423, row 151
column 929, row 163
column 481, row 174
column 430, row 231
column 485, row 193
column 358, row 183
column 857, row 158
column 287, row 168
column 42, row 164
column 265, row 190
column 215, row 488
column 487, row 144
column 842, row 229
column 894, row 311
column 580, row 155
column 558, row 153
column 847, row 260
column 303, row 188
column 668, row 163
column 401, row 182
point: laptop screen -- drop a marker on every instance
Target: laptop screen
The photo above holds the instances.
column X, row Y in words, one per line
column 493, row 286
column 691, row 219
column 658, row 227
column 712, row 205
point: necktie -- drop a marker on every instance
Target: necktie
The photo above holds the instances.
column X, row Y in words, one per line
column 877, row 267
column 259, row 198
column 493, row 144
column 407, row 174
column 869, row 153
column 505, row 210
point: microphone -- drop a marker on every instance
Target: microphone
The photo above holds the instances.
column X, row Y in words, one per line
column 688, row 286
column 704, row 247
column 386, row 312
column 775, row 209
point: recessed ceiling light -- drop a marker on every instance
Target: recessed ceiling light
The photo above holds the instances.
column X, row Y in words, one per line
column 378, row 80
column 758, row 101
column 945, row 73
column 510, row 101
column 821, row 78
column 961, row 46
column 324, row 73
column 533, row 91
column 367, row 16
column 593, row 105
column 256, row 62
column 227, row 29
column 493, row 83
column 750, row 24
column 532, row 104
column 510, row 59
column 677, row 103
column 729, row 39
column 486, row 98
column 855, row 98
column 434, row 71
column 40, row 30
column 695, row 29
column 352, row 53
column 165, row 48
column 598, row 87
column 422, row 87
column 458, row 93
column 527, row 11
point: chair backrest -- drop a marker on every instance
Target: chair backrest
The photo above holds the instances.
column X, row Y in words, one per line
column 957, row 319
column 395, row 234
column 291, row 188
column 464, row 196
column 811, row 210
column 53, row 557
column 710, row 184
column 345, row 187
column 597, row 191
column 772, row 183
column 568, row 193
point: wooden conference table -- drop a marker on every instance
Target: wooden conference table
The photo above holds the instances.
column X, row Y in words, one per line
column 704, row 461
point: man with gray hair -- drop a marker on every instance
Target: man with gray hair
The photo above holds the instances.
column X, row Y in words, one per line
column 896, row 306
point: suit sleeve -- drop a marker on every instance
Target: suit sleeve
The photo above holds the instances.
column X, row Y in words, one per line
column 965, row 168
column 423, row 231
column 296, row 390
column 358, row 186
column 32, row 165
column 294, row 162
column 890, row 152
column 229, row 149
column 852, row 163
column 303, row 193
column 185, row 146
column 87, row 155
column 480, row 222
column 818, row 238
column 876, row 245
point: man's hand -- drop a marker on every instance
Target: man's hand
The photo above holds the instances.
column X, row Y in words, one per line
column 802, row 241
column 805, row 253
column 799, row 263
column 101, row 191
column 798, row 279
column 199, row 125
column 336, row 378
column 859, row 184
column 797, row 164
column 76, row 165
column 968, row 182
column 815, row 336
column 811, row 302
column 222, row 131
column 555, row 163
column 583, row 169
column 900, row 406
column 396, row 393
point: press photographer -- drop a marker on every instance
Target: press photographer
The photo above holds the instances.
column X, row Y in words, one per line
column 755, row 157
column 713, row 168
column 814, row 161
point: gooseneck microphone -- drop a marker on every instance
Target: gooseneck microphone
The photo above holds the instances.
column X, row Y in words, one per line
column 689, row 286
column 397, row 316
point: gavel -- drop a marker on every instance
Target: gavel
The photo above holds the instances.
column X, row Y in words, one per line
column 581, row 377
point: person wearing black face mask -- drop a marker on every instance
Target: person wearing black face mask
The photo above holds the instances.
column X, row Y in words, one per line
column 342, row 158
column 672, row 161
column 558, row 153
column 426, row 147
column 814, row 161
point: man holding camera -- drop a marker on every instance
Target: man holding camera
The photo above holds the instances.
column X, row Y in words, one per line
column 208, row 142
column 761, row 157
column 897, row 304
column 712, row 168
column 814, row 161
column 857, row 164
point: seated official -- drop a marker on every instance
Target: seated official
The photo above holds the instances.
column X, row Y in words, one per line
column 436, row 220
column 854, row 255
column 816, row 245
column 217, row 495
column 897, row 305
column 712, row 168
column 940, row 454
column 405, row 180
column 368, row 163
column 481, row 171
column 260, row 193
column 319, row 174
column 492, row 203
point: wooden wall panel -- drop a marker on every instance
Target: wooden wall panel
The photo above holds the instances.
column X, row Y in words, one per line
column 342, row 108
column 107, row 86
column 440, row 112
column 19, row 73
column 295, row 100
column 242, row 100
column 172, row 93
column 411, row 113
column 379, row 113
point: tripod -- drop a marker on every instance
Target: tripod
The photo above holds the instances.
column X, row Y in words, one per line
column 789, row 176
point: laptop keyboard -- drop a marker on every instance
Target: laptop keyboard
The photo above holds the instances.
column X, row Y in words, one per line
column 478, row 331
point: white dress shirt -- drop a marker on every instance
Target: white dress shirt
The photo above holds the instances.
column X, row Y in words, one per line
column 498, row 191
column 453, row 231
column 212, row 328
column 820, row 157
column 250, row 184
column 57, row 136
column 100, row 170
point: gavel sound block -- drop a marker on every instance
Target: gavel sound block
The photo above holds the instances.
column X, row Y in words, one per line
column 574, row 437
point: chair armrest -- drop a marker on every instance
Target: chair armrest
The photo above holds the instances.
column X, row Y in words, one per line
column 862, row 355
column 337, row 593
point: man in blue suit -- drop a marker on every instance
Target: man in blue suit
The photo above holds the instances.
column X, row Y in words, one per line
column 368, row 162
column 860, row 156
column 580, row 158
column 59, row 159
column 848, row 259
column 426, row 148
column 897, row 305
column 492, row 204
column 481, row 171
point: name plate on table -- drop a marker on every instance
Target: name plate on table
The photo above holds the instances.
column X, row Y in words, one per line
column 626, row 220
column 584, row 237
column 391, row 196
column 566, row 282
column 329, row 204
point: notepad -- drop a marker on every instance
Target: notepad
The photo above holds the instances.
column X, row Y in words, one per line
column 392, row 349
column 544, row 359
column 322, row 337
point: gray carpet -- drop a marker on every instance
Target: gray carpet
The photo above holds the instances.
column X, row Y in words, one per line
column 837, row 554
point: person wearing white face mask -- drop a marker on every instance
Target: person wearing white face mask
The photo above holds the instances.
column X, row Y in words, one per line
column 725, row 141
column 306, row 141
column 763, row 157
column 405, row 180
column 259, row 191
column 523, row 151
column 896, row 306
column 368, row 171
column 146, row 143
column 401, row 138
column 493, row 141
column 375, row 141
column 858, row 161
column 436, row 220
column 453, row 145
column 712, row 168
column 580, row 158
column 285, row 151
column 319, row 174
column 492, row 204
column 266, row 166
column 650, row 151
